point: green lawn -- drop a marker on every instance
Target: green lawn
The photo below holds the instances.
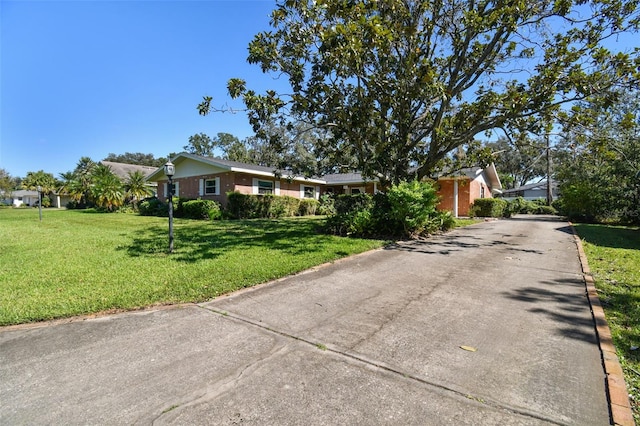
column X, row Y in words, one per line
column 614, row 258
column 78, row 262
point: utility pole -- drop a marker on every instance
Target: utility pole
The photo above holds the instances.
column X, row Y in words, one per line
column 549, row 192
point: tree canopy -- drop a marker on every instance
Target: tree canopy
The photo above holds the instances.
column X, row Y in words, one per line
column 518, row 162
column 400, row 84
column 41, row 179
column 598, row 162
column 7, row 183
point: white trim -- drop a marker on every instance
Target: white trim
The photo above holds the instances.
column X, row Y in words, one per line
column 201, row 187
column 159, row 173
column 176, row 186
column 204, row 186
column 455, row 198
column 316, row 190
column 256, row 188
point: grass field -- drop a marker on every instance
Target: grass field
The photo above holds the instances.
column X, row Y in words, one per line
column 614, row 258
column 79, row 262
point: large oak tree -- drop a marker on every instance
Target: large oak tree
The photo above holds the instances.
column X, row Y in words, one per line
column 401, row 84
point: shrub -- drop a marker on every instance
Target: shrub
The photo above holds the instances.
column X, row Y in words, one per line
column 152, row 207
column 199, row 209
column 127, row 208
column 546, row 210
column 241, row 206
column 281, row 206
column 413, row 205
column 519, row 205
column 250, row 206
column 346, row 203
column 406, row 210
column 71, row 205
column 308, row 207
column 558, row 204
column 327, row 205
column 581, row 203
column 215, row 213
column 490, row 207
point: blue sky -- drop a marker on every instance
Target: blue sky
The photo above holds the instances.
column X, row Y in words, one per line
column 89, row 78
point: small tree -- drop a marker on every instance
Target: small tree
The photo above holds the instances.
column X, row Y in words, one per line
column 106, row 189
column 136, row 187
column 45, row 181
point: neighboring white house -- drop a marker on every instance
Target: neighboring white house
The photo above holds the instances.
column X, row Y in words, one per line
column 22, row 197
column 532, row 191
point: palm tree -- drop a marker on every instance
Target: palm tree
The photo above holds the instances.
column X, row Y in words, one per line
column 106, row 189
column 83, row 178
column 136, row 187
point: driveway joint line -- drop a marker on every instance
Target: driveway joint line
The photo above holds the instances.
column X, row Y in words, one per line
column 494, row 404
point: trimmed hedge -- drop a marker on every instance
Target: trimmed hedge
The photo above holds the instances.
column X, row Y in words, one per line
column 490, row 207
column 251, row 206
column 201, row 209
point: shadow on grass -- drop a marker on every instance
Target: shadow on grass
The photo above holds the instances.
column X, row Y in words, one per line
column 199, row 240
column 609, row 236
column 562, row 302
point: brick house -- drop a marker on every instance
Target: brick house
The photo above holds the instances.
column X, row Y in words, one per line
column 211, row 178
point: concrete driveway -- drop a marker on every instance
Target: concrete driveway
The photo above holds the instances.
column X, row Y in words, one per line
column 485, row 325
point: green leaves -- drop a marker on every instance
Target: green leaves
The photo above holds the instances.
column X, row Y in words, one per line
column 399, row 84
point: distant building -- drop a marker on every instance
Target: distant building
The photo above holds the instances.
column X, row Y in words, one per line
column 532, row 191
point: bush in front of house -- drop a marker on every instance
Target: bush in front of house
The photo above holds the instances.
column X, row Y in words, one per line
column 521, row 206
column 152, row 207
column 241, row 206
column 268, row 206
column 490, row 207
column 308, row 207
column 200, row 209
column 327, row 205
column 412, row 207
column 282, row 206
column 406, row 210
column 353, row 216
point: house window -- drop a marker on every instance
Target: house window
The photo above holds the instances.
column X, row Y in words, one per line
column 176, row 189
column 358, row 190
column 308, row 191
column 210, row 187
column 265, row 187
column 481, row 191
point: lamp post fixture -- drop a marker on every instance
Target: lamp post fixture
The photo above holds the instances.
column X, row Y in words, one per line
column 169, row 171
column 39, row 188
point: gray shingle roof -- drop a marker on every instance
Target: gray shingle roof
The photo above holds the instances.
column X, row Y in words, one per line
column 122, row 170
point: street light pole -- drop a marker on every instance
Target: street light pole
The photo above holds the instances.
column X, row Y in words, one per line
column 39, row 188
column 169, row 170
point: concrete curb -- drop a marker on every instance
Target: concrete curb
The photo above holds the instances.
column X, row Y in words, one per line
column 619, row 406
